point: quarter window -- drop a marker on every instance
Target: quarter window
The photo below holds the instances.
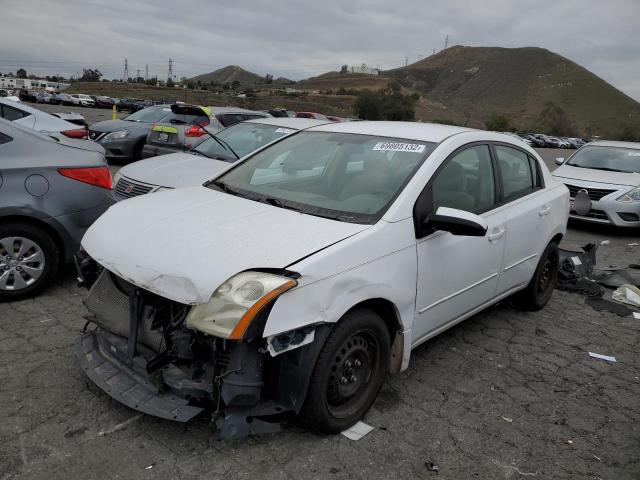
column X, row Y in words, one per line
column 518, row 176
column 11, row 113
column 466, row 182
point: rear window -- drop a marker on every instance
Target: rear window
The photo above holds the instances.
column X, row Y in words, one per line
column 183, row 119
column 228, row 119
column 4, row 138
column 149, row 115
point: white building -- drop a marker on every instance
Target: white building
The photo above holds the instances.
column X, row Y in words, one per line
column 29, row 84
column 364, row 68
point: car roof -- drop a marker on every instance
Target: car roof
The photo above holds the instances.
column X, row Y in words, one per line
column 612, row 143
column 289, row 122
column 426, row 132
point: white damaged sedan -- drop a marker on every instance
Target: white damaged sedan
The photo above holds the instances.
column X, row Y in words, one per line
column 298, row 277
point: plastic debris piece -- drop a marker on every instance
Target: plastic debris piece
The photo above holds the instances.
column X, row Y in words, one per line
column 149, row 467
column 632, row 244
column 357, row 431
column 432, row 467
column 636, row 315
column 576, row 261
column 507, row 419
column 605, row 242
column 570, row 442
column 603, row 357
column 628, row 294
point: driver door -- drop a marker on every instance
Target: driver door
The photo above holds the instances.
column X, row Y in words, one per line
column 457, row 274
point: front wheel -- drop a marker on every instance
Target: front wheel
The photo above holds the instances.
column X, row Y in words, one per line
column 349, row 372
column 544, row 280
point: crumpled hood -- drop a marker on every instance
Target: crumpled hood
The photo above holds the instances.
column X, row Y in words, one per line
column 175, row 170
column 182, row 244
column 597, row 176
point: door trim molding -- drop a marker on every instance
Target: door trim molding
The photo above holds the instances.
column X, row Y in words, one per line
column 455, row 294
column 534, row 255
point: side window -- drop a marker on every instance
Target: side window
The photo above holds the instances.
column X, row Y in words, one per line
column 4, row 138
column 228, row 119
column 466, row 182
column 11, row 113
column 252, row 116
column 515, row 169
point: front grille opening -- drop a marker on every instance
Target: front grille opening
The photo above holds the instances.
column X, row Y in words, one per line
column 127, row 189
column 628, row 216
column 594, row 193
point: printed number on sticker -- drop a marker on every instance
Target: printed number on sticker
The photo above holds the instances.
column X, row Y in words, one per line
column 398, row 147
column 284, row 130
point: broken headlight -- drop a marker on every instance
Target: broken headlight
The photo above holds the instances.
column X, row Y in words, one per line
column 236, row 302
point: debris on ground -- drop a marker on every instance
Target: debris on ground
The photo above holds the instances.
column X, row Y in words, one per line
column 576, row 266
column 636, row 315
column 357, row 431
column 432, row 467
column 628, row 294
column 603, row 357
column 632, row 244
column 507, row 419
column 600, row 304
column 623, row 276
column 605, row 242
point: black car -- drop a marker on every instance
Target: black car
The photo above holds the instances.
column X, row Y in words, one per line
column 535, row 141
column 27, row 95
column 101, row 101
column 130, row 104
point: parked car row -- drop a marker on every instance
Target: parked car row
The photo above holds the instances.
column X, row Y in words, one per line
column 540, row 140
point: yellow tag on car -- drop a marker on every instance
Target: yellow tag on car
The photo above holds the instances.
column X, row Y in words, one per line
column 165, row 129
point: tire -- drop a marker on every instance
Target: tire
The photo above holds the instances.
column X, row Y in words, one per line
column 536, row 295
column 137, row 150
column 39, row 265
column 348, row 373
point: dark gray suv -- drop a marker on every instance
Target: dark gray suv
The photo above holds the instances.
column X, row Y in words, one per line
column 51, row 191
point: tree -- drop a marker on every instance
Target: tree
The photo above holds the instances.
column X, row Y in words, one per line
column 235, row 84
column 554, row 120
column 90, row 75
column 630, row 133
column 268, row 79
column 367, row 106
column 498, row 123
column 344, row 69
column 21, row 73
column 384, row 105
column 170, row 83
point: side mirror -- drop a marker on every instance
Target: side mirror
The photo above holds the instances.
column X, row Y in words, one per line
column 559, row 160
column 457, row 222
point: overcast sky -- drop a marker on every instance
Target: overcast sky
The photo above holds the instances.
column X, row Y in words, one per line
column 300, row 38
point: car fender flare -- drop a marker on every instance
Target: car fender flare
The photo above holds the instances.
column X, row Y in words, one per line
column 41, row 219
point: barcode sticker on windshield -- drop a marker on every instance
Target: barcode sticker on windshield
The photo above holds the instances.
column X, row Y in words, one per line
column 634, row 154
column 284, row 130
column 398, row 147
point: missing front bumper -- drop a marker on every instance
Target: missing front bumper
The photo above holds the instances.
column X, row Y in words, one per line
column 127, row 386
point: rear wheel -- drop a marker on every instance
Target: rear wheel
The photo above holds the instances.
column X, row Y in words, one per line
column 29, row 260
column 349, row 372
column 544, row 280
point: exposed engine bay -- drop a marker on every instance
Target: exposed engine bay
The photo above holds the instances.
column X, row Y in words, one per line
column 137, row 347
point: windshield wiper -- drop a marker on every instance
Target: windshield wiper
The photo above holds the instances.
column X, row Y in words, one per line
column 221, row 142
column 276, row 202
column 226, row 189
column 606, row 169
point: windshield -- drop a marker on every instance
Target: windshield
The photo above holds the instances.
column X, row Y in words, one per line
column 148, row 115
column 241, row 139
column 615, row 159
column 348, row 177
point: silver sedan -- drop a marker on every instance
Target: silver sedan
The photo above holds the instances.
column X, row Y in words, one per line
column 603, row 179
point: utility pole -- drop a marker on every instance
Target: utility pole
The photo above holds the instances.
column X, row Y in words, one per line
column 146, row 73
column 170, row 77
column 434, row 52
column 446, row 42
column 125, row 76
column 406, row 61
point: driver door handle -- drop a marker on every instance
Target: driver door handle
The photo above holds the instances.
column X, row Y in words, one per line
column 544, row 210
column 496, row 234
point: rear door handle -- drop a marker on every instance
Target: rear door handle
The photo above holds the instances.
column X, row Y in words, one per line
column 544, row 210
column 496, row 234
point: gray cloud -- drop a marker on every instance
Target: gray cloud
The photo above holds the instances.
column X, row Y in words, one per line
column 301, row 38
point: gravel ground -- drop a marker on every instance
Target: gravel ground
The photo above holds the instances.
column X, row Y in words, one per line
column 505, row 394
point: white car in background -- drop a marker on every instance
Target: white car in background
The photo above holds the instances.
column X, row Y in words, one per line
column 82, row 100
column 603, row 179
column 38, row 120
column 207, row 159
column 297, row 278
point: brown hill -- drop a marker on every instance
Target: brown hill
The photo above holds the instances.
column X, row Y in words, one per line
column 229, row 74
column 336, row 80
column 475, row 82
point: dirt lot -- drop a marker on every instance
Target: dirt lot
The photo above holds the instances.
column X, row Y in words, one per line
column 505, row 394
